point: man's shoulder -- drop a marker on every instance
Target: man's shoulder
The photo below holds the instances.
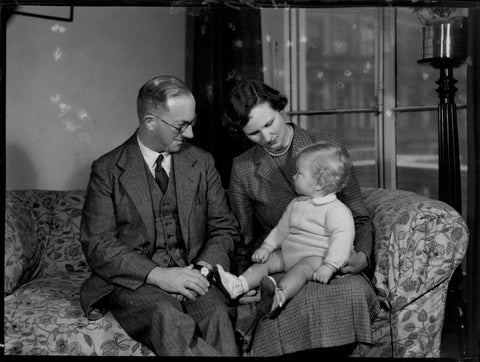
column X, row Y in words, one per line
column 112, row 155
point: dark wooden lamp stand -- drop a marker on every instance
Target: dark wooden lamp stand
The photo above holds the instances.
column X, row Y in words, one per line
column 445, row 48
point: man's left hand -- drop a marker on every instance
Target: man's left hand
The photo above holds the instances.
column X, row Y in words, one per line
column 356, row 264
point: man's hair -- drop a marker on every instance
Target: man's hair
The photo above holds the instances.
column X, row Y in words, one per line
column 330, row 166
column 155, row 93
column 244, row 97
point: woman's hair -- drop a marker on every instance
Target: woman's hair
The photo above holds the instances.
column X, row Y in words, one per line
column 156, row 92
column 244, row 97
column 330, row 166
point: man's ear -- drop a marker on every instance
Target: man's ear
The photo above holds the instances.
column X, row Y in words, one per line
column 149, row 121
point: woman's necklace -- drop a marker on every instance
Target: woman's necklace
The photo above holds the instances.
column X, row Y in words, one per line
column 286, row 148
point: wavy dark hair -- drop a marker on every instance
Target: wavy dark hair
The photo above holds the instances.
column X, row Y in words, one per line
column 247, row 94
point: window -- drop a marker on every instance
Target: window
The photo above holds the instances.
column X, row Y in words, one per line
column 355, row 71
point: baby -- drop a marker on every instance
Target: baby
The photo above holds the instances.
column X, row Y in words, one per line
column 312, row 240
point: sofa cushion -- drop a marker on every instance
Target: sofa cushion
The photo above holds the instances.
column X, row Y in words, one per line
column 44, row 317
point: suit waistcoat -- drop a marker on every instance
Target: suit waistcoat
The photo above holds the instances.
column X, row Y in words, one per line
column 169, row 246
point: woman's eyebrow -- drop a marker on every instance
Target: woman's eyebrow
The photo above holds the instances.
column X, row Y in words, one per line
column 267, row 123
column 252, row 133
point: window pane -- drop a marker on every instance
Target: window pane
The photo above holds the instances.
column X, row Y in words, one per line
column 339, row 58
column 417, row 153
column 339, row 61
column 357, row 133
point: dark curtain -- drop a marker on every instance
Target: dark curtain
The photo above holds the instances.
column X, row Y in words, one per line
column 226, row 46
column 473, row 199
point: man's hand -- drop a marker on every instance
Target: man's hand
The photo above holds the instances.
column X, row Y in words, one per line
column 184, row 281
column 251, row 296
column 356, row 263
column 323, row 274
column 260, row 255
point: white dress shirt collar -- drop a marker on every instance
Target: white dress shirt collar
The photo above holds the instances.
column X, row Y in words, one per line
column 151, row 156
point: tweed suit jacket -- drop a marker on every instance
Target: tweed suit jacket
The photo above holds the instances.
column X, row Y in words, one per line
column 260, row 193
column 117, row 231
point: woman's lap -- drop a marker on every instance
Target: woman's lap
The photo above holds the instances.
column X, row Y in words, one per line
column 319, row 316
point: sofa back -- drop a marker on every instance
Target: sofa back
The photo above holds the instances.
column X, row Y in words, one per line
column 42, row 230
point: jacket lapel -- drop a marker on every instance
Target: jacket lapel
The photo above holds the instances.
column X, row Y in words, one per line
column 134, row 180
column 186, row 176
column 268, row 170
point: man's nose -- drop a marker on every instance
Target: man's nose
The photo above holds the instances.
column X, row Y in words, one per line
column 188, row 133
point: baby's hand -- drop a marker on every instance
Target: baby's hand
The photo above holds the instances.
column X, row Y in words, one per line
column 260, row 255
column 323, row 274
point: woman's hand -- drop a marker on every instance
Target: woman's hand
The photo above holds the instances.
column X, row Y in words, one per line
column 260, row 255
column 356, row 263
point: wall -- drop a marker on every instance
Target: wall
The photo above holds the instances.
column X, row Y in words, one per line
column 72, row 86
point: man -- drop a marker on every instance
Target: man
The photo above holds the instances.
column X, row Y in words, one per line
column 150, row 223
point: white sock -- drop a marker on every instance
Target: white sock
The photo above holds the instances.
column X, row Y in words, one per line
column 244, row 283
column 281, row 297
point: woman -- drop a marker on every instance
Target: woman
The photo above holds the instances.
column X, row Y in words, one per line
column 261, row 187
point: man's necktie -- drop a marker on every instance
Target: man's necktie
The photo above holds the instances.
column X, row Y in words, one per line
column 161, row 175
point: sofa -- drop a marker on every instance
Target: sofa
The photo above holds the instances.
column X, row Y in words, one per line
column 418, row 244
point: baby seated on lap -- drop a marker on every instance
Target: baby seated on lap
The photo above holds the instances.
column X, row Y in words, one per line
column 313, row 239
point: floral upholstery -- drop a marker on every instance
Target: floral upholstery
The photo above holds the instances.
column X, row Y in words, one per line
column 418, row 244
column 44, row 269
column 41, row 235
column 44, row 317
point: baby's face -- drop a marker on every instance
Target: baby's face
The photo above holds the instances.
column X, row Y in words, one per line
column 305, row 183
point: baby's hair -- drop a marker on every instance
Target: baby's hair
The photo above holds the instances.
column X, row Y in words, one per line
column 330, row 166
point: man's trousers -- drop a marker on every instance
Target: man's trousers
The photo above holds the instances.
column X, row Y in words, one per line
column 202, row 327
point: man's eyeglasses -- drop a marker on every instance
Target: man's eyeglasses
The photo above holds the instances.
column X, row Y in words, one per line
column 183, row 127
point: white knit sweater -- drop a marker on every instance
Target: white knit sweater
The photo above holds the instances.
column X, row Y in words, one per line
column 314, row 226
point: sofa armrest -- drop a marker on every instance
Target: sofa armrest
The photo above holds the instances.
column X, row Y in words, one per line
column 22, row 254
column 418, row 244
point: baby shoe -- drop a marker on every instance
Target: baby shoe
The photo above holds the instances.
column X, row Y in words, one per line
column 230, row 284
column 269, row 296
